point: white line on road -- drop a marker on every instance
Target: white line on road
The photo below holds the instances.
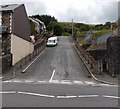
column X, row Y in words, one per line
column 8, row 92
column 36, row 94
column 16, row 81
column 66, row 96
column 33, row 61
column 78, row 82
column 52, row 76
column 85, row 96
column 1, row 77
column 41, row 81
column 107, row 96
column 54, row 81
column 28, row 81
column 65, row 82
column 6, row 81
column 88, row 82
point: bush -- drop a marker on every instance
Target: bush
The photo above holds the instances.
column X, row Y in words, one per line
column 56, row 27
column 97, row 34
column 66, row 34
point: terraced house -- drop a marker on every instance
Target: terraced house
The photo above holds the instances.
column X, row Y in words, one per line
column 15, row 30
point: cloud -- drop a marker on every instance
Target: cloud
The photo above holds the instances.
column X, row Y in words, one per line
column 31, row 7
column 87, row 11
column 98, row 12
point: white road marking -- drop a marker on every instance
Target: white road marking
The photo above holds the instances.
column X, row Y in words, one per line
column 33, row 61
column 54, row 81
column 107, row 96
column 105, row 85
column 36, row 94
column 78, row 82
column 28, row 81
column 41, row 81
column 66, row 96
column 16, row 81
column 8, row 92
column 88, row 82
column 85, row 96
column 1, row 77
column 65, row 82
column 52, row 76
column 7, row 81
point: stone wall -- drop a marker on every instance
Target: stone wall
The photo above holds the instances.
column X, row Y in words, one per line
column 6, row 20
column 113, row 55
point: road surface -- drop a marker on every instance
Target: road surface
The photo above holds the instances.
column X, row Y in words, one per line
column 56, row 78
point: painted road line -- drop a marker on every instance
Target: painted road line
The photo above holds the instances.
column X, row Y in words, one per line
column 54, row 81
column 36, row 94
column 78, row 82
column 87, row 96
column 7, row 81
column 41, row 81
column 65, row 82
column 1, row 78
column 52, row 76
column 8, row 92
column 88, row 82
column 107, row 96
column 33, row 61
column 16, row 81
column 105, row 85
column 66, row 97
column 28, row 81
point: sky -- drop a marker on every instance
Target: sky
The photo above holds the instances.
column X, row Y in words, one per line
column 82, row 11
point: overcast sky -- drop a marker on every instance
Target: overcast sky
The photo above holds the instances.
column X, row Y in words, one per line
column 85, row 11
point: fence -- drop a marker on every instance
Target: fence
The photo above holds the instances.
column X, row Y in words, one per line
column 94, row 65
column 24, row 61
column 6, row 62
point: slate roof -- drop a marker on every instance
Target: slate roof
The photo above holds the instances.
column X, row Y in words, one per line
column 9, row 7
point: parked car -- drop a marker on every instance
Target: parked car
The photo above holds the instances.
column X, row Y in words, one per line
column 52, row 41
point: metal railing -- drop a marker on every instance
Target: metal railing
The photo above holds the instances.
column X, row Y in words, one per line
column 93, row 65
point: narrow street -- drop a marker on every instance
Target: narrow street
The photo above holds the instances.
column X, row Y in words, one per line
column 58, row 78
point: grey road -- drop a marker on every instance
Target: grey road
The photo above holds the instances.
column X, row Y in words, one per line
column 58, row 78
column 61, row 62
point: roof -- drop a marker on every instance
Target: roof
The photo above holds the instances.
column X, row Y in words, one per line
column 52, row 38
column 3, row 29
column 9, row 7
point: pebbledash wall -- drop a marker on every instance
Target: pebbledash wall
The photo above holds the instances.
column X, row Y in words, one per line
column 20, row 48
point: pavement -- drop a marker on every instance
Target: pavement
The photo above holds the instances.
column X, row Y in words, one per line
column 106, row 77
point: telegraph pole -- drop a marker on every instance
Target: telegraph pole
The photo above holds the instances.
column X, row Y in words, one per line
column 72, row 28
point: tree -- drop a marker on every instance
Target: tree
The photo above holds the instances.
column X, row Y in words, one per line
column 45, row 18
column 32, row 27
column 56, row 27
column 79, row 25
column 108, row 24
column 83, row 27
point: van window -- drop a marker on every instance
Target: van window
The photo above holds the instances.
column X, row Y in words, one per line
column 50, row 41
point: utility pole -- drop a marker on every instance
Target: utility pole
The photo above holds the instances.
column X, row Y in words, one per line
column 72, row 28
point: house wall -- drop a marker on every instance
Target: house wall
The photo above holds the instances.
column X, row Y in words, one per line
column 20, row 23
column 20, row 48
column 113, row 55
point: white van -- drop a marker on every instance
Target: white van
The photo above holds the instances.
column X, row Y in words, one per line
column 52, row 41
